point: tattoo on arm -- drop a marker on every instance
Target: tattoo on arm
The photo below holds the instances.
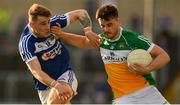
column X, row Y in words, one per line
column 85, row 20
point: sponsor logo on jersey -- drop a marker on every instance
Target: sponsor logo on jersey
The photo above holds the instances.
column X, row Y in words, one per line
column 52, row 53
column 112, row 47
column 44, row 45
column 121, row 46
column 112, row 57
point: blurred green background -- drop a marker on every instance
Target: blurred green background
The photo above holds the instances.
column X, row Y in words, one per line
column 157, row 19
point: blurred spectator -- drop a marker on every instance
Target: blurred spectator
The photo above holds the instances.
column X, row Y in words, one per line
column 163, row 39
column 166, row 39
column 4, row 28
column 165, row 23
column 4, row 22
column 136, row 23
column 169, row 42
column 94, row 90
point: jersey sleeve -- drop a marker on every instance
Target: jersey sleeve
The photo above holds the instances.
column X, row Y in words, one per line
column 26, row 51
column 137, row 41
column 63, row 20
column 142, row 42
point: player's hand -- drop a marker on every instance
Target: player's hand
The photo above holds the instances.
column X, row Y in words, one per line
column 95, row 40
column 64, row 91
column 138, row 69
column 56, row 30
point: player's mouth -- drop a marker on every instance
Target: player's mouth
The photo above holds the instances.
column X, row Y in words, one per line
column 107, row 33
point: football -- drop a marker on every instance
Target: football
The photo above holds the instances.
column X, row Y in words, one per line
column 139, row 56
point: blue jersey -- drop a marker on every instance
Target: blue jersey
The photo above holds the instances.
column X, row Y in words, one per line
column 51, row 53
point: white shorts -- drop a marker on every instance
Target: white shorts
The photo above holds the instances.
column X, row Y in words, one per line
column 68, row 77
column 148, row 95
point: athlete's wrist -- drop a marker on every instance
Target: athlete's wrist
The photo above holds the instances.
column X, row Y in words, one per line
column 87, row 29
column 149, row 68
column 53, row 83
column 61, row 35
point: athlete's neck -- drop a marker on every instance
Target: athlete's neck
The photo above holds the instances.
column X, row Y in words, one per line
column 36, row 34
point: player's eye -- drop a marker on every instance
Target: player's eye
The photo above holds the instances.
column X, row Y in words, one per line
column 44, row 23
column 102, row 26
column 109, row 25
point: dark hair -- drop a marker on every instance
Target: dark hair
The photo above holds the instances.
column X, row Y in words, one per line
column 38, row 10
column 106, row 12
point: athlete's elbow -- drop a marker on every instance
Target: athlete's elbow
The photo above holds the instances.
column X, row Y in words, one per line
column 83, row 11
column 36, row 74
column 166, row 58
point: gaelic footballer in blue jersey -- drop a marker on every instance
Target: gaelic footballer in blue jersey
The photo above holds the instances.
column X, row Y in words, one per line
column 46, row 56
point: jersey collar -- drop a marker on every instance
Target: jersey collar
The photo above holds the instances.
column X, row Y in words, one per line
column 120, row 33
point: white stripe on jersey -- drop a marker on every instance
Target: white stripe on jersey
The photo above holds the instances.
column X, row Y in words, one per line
column 53, row 18
column 62, row 17
column 151, row 47
column 68, row 19
column 31, row 59
column 24, row 46
column 143, row 39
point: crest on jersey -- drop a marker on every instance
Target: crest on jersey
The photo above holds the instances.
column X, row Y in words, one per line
column 44, row 45
column 121, row 46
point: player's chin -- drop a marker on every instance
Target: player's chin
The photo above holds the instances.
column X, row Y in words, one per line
column 46, row 34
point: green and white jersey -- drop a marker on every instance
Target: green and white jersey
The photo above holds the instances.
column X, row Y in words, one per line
column 114, row 55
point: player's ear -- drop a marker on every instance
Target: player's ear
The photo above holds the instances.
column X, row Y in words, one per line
column 31, row 23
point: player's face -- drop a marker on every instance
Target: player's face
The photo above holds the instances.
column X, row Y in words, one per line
column 41, row 26
column 110, row 28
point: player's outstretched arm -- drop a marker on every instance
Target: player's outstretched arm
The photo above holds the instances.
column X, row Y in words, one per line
column 60, row 92
column 82, row 16
column 35, row 68
column 75, row 39
column 78, row 40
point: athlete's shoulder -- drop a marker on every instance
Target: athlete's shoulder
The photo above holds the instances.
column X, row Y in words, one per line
column 26, row 34
column 26, row 38
column 26, row 30
column 63, row 20
column 129, row 33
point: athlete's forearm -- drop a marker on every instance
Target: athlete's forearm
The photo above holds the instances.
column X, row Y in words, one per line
column 85, row 20
column 40, row 75
column 160, row 60
column 75, row 40
column 82, row 16
column 44, row 78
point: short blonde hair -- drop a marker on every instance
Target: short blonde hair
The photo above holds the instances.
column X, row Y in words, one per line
column 38, row 10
